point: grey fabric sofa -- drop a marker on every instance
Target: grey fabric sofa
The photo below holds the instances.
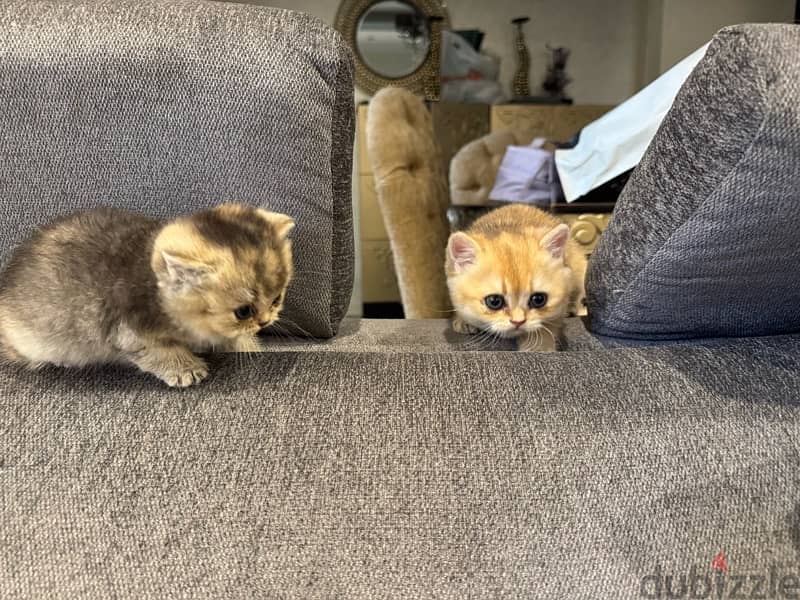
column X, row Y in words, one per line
column 394, row 460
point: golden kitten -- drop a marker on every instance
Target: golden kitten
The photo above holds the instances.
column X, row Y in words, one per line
column 107, row 285
column 515, row 273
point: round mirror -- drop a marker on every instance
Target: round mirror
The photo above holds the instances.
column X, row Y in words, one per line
column 392, row 38
column 395, row 42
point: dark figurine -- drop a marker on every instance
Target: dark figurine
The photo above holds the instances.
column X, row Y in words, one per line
column 556, row 79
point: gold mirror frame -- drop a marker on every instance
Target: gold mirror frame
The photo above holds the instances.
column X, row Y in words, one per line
column 425, row 79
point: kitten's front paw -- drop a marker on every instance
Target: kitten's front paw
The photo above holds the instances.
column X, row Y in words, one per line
column 185, row 377
column 461, row 326
column 174, row 365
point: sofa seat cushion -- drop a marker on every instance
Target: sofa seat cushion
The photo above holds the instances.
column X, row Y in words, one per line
column 407, row 475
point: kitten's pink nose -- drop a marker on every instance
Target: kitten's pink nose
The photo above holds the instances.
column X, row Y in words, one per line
column 517, row 324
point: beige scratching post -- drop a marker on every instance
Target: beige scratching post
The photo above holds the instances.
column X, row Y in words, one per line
column 412, row 194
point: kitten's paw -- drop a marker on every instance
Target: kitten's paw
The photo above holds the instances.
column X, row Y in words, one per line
column 461, row 326
column 174, row 365
column 185, row 377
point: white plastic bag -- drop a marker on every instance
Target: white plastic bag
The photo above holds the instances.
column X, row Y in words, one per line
column 468, row 75
column 615, row 143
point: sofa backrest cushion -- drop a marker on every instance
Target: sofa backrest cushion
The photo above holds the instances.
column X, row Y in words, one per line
column 705, row 238
column 170, row 107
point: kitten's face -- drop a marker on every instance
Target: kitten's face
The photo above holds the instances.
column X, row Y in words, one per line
column 509, row 284
column 223, row 273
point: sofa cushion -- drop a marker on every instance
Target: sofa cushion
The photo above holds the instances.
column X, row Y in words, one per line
column 170, row 107
column 366, row 475
column 705, row 239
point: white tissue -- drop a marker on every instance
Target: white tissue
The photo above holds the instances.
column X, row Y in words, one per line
column 616, row 142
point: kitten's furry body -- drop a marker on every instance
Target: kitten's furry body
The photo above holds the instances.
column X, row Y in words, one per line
column 515, row 252
column 111, row 286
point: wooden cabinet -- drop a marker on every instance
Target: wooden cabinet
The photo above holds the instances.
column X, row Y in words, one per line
column 558, row 123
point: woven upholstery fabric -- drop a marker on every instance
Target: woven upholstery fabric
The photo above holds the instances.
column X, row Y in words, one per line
column 705, row 238
column 404, row 475
column 171, row 107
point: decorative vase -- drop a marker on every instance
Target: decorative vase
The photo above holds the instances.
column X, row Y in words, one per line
column 520, row 86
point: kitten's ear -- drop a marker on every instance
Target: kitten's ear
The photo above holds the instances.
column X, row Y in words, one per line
column 462, row 250
column 555, row 242
column 283, row 224
column 181, row 271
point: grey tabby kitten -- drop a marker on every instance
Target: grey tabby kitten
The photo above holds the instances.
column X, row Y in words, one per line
column 112, row 286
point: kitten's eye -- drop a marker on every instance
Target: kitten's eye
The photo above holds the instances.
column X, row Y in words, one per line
column 537, row 300
column 494, row 301
column 244, row 312
column 277, row 300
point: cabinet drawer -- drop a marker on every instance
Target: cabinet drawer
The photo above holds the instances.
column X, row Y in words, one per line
column 364, row 166
column 556, row 123
column 378, row 279
column 371, row 219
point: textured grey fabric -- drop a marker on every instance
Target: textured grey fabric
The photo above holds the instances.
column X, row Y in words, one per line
column 405, row 475
column 705, row 239
column 169, row 107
